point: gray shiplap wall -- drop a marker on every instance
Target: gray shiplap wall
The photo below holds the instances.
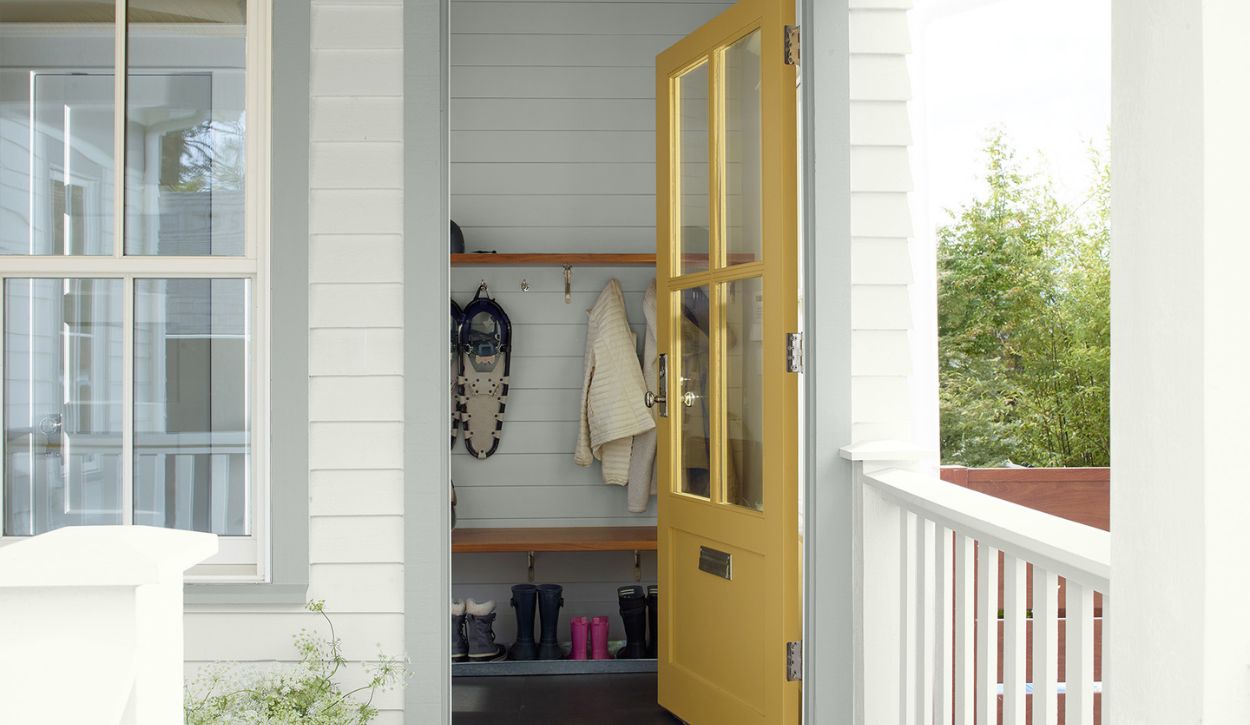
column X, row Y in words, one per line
column 553, row 150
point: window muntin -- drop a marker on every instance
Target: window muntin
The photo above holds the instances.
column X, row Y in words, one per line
column 186, row 231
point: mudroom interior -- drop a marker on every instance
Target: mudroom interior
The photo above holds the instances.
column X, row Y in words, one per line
column 553, row 192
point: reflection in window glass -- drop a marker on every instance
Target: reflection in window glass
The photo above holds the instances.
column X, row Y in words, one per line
column 62, row 403
column 56, row 127
column 694, row 419
column 744, row 392
column 192, row 404
column 743, row 210
column 185, row 154
column 692, row 129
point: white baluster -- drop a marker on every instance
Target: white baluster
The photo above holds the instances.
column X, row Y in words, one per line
column 965, row 628
column 987, row 634
column 1045, row 647
column 907, row 710
column 1106, row 633
column 925, row 620
column 1079, row 662
column 1015, row 603
column 944, row 645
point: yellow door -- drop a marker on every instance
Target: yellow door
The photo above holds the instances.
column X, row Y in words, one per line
column 727, row 272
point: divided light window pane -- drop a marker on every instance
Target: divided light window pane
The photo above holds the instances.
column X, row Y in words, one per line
column 192, row 404
column 62, row 403
column 185, row 123
column 56, row 128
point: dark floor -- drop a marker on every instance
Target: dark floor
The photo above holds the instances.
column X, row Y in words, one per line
column 558, row 700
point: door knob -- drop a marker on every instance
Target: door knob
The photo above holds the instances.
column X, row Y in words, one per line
column 651, row 399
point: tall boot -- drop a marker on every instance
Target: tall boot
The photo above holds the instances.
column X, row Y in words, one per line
column 459, row 642
column 550, row 598
column 653, row 610
column 479, row 625
column 579, row 630
column 633, row 603
column 599, row 638
column 524, row 600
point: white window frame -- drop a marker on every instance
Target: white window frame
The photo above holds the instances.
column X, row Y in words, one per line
column 240, row 558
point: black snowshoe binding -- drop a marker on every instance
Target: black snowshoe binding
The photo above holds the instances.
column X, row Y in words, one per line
column 486, row 351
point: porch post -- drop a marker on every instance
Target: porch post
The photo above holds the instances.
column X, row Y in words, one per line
column 1179, row 648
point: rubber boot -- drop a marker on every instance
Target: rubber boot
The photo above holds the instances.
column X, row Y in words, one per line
column 579, row 628
column 653, row 611
column 524, row 601
column 550, row 598
column 459, row 642
column 634, row 614
column 599, row 627
column 479, row 623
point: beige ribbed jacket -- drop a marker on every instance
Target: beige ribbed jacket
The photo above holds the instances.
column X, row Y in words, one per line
column 612, row 407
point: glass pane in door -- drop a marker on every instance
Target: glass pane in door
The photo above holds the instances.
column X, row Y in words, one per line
column 742, row 205
column 56, row 127
column 185, row 154
column 192, row 404
column 743, row 302
column 62, row 404
column 692, row 140
column 690, row 403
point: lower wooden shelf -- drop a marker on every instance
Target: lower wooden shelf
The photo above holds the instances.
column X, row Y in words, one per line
column 551, row 667
column 554, row 538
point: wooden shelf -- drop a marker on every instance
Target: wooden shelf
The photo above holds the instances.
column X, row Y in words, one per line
column 574, row 538
column 552, row 260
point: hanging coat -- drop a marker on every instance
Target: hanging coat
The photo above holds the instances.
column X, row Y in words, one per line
column 642, row 457
column 613, row 410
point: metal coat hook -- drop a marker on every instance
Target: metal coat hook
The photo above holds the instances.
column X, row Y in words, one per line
column 482, row 287
column 568, row 284
column 525, row 285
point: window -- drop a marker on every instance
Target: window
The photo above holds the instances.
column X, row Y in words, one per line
column 133, row 265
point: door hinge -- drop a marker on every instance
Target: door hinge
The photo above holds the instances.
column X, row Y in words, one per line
column 794, row 661
column 794, row 352
column 792, row 45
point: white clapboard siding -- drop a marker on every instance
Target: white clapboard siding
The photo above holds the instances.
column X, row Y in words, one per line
column 355, row 398
column 354, row 492
column 551, row 146
column 546, row 238
column 629, row 179
column 355, row 351
column 555, row 51
column 369, row 258
column 543, row 82
column 881, row 267
column 594, row 18
column 342, row 120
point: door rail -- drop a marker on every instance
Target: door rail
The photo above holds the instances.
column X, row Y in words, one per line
column 955, row 588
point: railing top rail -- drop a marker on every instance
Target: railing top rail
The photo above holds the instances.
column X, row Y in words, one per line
column 1069, row 549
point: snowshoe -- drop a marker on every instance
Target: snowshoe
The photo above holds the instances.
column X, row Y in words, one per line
column 486, row 351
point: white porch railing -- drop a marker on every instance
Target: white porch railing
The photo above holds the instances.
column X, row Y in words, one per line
column 928, row 602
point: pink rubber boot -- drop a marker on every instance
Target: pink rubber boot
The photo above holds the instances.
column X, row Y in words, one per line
column 578, row 627
column 599, row 638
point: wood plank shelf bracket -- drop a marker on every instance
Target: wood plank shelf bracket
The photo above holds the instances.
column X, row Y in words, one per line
column 634, row 539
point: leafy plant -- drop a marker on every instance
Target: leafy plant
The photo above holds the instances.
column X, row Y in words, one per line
column 305, row 693
column 1024, row 326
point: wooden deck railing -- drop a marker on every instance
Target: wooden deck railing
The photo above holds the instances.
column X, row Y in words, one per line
column 945, row 615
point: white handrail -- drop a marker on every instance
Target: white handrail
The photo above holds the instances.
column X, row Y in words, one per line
column 1075, row 551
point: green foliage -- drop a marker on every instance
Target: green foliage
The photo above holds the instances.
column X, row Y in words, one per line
column 303, row 694
column 1024, row 300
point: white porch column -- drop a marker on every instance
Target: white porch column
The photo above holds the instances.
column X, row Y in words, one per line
column 91, row 624
column 1179, row 643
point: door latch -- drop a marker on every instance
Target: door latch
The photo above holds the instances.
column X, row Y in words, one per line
column 652, row 399
column 794, row 661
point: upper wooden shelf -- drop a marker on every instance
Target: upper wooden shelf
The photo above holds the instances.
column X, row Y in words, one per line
column 556, row 538
column 552, row 260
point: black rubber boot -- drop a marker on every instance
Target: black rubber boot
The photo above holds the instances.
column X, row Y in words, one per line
column 634, row 614
column 653, row 611
column 550, row 598
column 524, row 599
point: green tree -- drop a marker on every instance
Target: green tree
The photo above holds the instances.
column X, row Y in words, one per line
column 1024, row 321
